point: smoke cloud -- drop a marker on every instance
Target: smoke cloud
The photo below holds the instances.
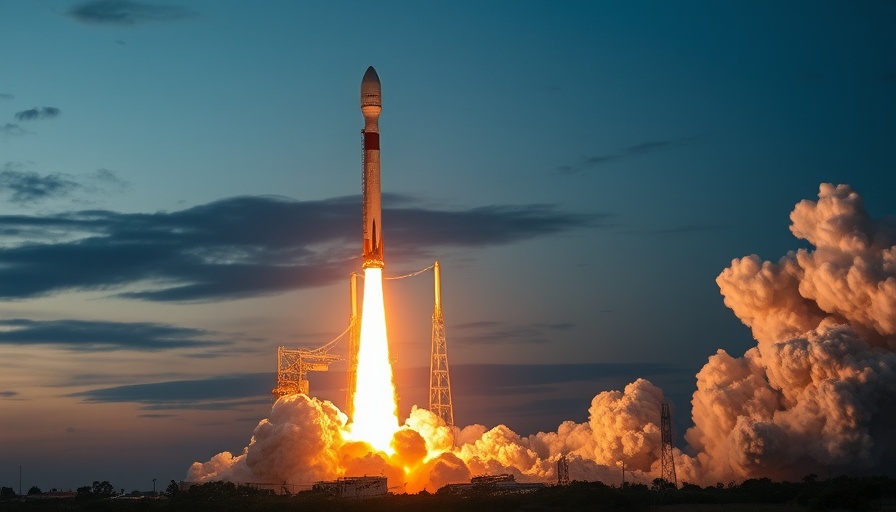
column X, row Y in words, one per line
column 819, row 388
column 817, row 391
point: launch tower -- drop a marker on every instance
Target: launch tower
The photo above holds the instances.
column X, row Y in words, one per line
column 439, row 381
column 667, row 462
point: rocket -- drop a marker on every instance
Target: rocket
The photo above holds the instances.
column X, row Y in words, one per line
column 371, row 106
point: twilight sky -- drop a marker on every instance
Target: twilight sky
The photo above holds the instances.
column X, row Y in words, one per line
column 180, row 194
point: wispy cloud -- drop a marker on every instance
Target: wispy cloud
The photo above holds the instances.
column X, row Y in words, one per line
column 104, row 180
column 644, row 148
column 10, row 129
column 491, row 332
column 23, row 186
column 6, row 96
column 219, row 392
column 126, row 12
column 27, row 186
column 101, row 336
column 233, row 391
column 239, row 247
column 37, row 113
column 9, row 394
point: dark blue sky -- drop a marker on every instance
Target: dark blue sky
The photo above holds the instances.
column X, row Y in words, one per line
column 179, row 194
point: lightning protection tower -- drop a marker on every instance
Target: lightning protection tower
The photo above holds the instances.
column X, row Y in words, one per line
column 439, row 381
column 667, row 462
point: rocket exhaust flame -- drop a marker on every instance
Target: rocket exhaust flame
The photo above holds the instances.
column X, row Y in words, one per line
column 376, row 416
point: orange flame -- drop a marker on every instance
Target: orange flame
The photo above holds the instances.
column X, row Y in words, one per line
column 376, row 412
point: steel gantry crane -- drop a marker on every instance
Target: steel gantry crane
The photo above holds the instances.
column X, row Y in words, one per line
column 293, row 367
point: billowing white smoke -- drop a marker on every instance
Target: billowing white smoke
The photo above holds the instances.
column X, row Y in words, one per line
column 302, row 442
column 818, row 390
column 299, row 442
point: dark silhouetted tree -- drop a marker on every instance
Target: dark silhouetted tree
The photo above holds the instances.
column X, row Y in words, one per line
column 103, row 489
column 661, row 484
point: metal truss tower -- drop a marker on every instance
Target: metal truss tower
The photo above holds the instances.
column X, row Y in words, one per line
column 293, row 367
column 666, row 458
column 563, row 470
column 354, row 340
column 439, row 381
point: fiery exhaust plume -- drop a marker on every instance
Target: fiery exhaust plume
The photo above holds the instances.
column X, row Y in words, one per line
column 376, row 413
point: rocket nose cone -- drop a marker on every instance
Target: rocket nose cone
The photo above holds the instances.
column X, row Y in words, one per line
column 370, row 77
column 370, row 89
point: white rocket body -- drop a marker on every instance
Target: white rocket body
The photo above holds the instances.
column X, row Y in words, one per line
column 371, row 106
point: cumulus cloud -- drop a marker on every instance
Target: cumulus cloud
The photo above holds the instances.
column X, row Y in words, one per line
column 238, row 247
column 127, row 12
column 849, row 278
column 37, row 113
column 820, row 386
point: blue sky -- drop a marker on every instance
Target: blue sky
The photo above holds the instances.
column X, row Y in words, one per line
column 180, row 193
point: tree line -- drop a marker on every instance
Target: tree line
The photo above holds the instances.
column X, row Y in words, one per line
column 841, row 493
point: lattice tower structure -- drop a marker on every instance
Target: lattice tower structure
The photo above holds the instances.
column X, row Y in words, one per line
column 667, row 461
column 439, row 379
column 293, row 367
column 354, row 340
column 563, row 470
